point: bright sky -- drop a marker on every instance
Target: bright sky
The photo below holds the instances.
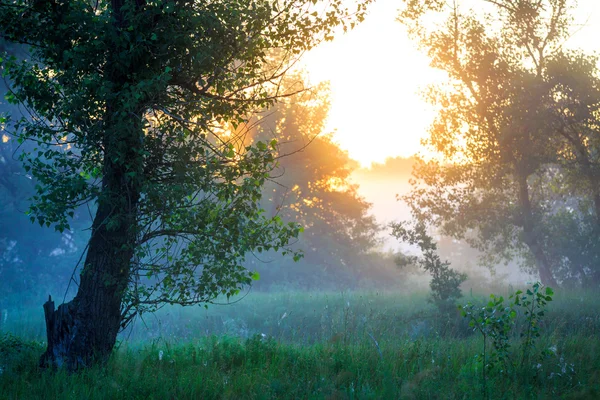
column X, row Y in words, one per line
column 375, row 74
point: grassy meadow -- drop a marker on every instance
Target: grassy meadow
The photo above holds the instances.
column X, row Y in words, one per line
column 354, row 345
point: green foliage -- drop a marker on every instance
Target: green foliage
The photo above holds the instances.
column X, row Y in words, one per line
column 534, row 302
column 445, row 281
column 16, row 355
column 495, row 321
column 516, row 134
column 572, row 238
column 138, row 109
column 311, row 186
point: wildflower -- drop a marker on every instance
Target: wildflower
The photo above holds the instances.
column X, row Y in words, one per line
column 553, row 349
column 285, row 314
column 563, row 366
column 160, row 355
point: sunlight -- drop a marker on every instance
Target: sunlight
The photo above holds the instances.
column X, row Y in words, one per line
column 376, row 74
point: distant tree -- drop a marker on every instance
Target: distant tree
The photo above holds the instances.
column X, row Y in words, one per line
column 132, row 107
column 392, row 168
column 572, row 231
column 312, row 187
column 517, row 123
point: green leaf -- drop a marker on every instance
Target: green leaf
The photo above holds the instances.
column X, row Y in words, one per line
column 261, row 146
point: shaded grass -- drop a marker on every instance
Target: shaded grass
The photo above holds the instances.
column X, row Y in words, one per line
column 324, row 348
column 255, row 368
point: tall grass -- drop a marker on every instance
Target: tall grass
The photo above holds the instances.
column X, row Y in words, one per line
column 310, row 345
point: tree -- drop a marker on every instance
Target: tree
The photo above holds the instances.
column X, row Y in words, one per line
column 312, row 187
column 572, row 233
column 506, row 127
column 132, row 107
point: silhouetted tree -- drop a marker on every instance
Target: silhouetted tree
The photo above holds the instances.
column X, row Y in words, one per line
column 517, row 124
column 312, row 187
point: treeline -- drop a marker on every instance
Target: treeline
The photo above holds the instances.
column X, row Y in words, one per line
column 341, row 241
column 310, row 185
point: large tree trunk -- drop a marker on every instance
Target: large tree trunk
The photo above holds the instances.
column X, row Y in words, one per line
column 531, row 235
column 84, row 330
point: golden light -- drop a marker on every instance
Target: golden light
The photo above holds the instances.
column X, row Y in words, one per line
column 376, row 74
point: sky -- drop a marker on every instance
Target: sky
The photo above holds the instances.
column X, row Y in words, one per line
column 376, row 72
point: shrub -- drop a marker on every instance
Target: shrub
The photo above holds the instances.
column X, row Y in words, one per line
column 445, row 281
column 495, row 321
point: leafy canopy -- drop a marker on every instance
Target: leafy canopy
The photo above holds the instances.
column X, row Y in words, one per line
column 159, row 91
column 312, row 187
column 516, row 132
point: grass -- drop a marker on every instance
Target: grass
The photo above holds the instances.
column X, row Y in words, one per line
column 313, row 346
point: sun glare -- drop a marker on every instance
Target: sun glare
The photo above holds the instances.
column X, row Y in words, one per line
column 376, row 74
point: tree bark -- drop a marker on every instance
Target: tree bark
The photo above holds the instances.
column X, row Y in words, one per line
column 84, row 331
column 531, row 236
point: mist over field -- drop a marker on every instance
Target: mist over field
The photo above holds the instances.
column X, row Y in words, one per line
column 180, row 218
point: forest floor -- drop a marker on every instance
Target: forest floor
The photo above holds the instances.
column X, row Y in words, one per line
column 353, row 345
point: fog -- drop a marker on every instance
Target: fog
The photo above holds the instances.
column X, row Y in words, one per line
column 179, row 219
